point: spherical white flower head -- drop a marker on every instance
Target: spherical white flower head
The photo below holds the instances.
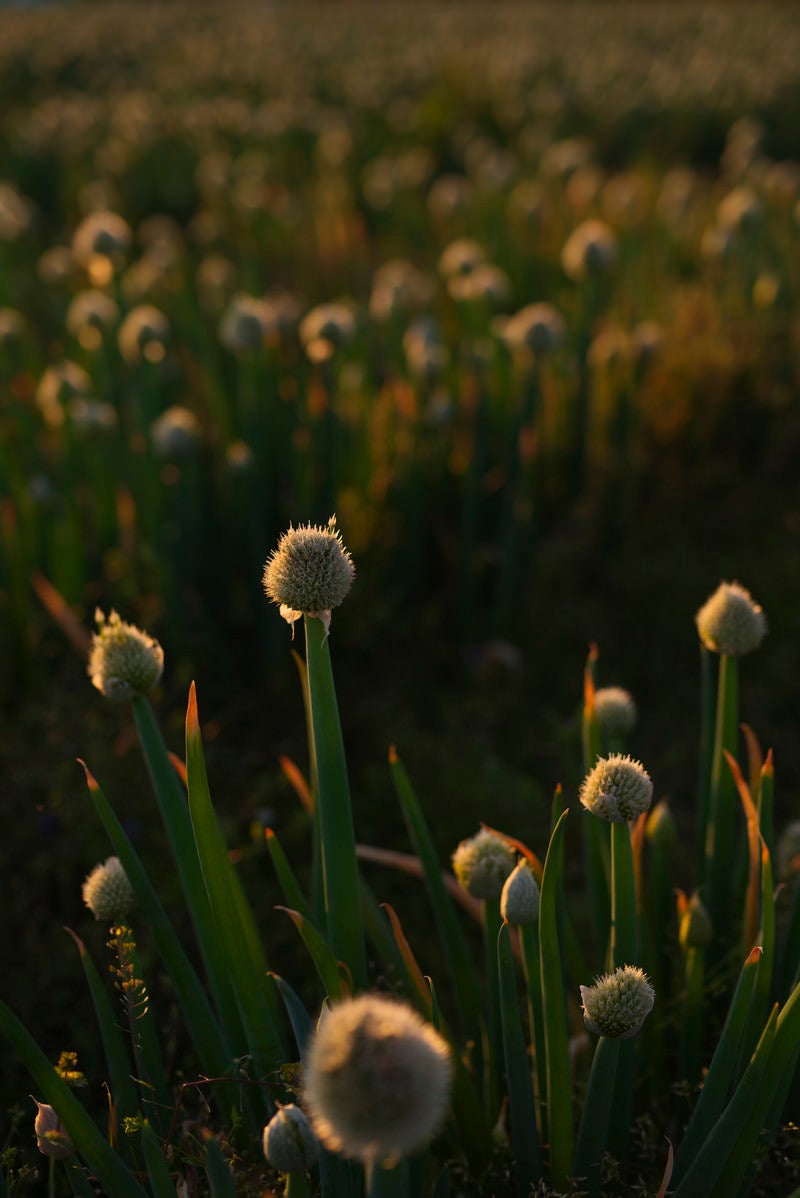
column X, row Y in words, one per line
column 143, row 334
column 290, row 1145
column 124, row 661
column 51, row 1137
column 101, row 233
column 327, row 328
column 519, row 900
column 538, row 328
column 617, row 789
column 482, row 864
column 731, row 622
column 309, row 573
column 461, row 257
column 591, row 249
column 175, row 432
column 618, row 1003
column 377, row 1079
column 107, row 892
column 91, row 309
column 615, row 710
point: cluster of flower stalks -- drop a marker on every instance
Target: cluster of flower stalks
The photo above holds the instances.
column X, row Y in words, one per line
column 532, row 1068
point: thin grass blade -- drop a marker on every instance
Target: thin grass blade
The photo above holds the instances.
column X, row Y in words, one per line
column 291, row 889
column 321, row 953
column 105, row 1163
column 299, row 1018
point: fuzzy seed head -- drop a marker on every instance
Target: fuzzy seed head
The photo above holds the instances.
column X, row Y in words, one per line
column 731, row 622
column 618, row 1003
column 290, row 1145
column 107, row 892
column 482, row 864
column 124, row 661
column 617, row 789
column 519, row 900
column 51, row 1138
column 310, row 572
column 377, row 1079
column 615, row 710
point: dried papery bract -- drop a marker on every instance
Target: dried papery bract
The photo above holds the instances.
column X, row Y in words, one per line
column 107, row 892
column 51, row 1138
column 124, row 661
column 730, row 621
column 377, row 1080
column 618, row 1003
column 309, row 573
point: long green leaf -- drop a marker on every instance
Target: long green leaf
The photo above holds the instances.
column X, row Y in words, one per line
column 290, row 888
column 596, row 1115
column 559, row 1099
column 721, row 829
column 123, row 1091
column 207, row 1036
column 78, row 1181
column 595, row 832
column 105, row 1163
column 742, row 1112
column 529, row 941
column 172, row 803
column 217, row 1171
column 762, row 989
column 299, row 1018
column 244, row 954
column 320, row 951
column 157, row 1170
column 623, row 936
column 720, row 1072
column 451, row 935
column 521, row 1108
column 345, row 928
